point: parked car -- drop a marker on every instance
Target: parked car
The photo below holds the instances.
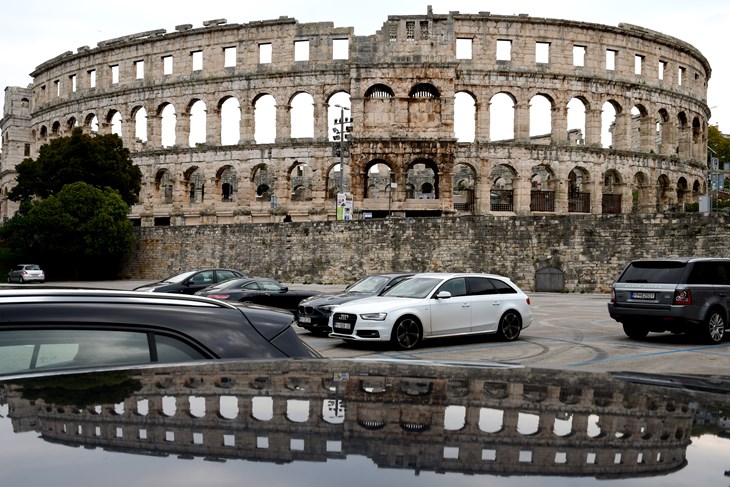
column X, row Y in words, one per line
column 314, row 313
column 684, row 295
column 192, row 281
column 48, row 329
column 433, row 305
column 27, row 273
column 258, row 290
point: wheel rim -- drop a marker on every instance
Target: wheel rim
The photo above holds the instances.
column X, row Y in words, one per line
column 716, row 327
column 510, row 326
column 407, row 333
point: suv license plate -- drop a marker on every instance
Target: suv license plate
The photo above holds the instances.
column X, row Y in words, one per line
column 341, row 326
column 305, row 319
column 637, row 295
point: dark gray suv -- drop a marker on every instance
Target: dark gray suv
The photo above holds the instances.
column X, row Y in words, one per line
column 682, row 295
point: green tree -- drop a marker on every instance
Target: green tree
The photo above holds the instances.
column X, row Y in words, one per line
column 82, row 230
column 719, row 144
column 100, row 160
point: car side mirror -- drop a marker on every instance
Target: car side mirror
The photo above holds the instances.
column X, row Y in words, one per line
column 443, row 295
column 284, row 289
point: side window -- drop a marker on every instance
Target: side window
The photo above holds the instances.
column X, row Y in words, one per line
column 173, row 350
column 457, row 287
column 23, row 350
column 205, row 277
column 269, row 286
column 225, row 275
column 723, row 270
column 701, row 273
column 502, row 287
column 479, row 286
column 252, row 286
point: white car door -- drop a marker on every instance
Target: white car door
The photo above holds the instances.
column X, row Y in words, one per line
column 450, row 315
column 486, row 304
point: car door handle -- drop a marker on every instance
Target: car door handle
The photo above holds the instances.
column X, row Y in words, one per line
column 496, row 303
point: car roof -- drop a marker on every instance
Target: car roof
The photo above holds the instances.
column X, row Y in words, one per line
column 685, row 259
column 448, row 275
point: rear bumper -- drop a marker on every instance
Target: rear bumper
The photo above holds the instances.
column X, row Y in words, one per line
column 654, row 314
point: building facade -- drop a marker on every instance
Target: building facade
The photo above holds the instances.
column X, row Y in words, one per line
column 433, row 115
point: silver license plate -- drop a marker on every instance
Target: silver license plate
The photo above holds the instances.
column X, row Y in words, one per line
column 305, row 319
column 639, row 295
column 341, row 326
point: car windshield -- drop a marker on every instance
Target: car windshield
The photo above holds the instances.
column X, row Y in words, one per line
column 661, row 272
column 228, row 284
column 417, row 287
column 179, row 277
column 369, row 285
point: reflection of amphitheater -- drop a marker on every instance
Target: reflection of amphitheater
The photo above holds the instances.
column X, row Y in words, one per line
column 451, row 114
column 418, row 417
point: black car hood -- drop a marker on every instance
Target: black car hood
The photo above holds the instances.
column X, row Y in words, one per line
column 316, row 422
column 336, row 298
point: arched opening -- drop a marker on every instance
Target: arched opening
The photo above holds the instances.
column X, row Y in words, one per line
column 609, row 112
column 263, row 181
column 682, row 190
column 611, row 197
column 463, row 185
column 195, row 181
column 579, row 195
column 541, row 109
column 542, row 194
column 91, row 122
column 300, row 179
column 302, row 116
column 198, row 122
column 230, row 112
column 577, row 121
column 334, row 112
column 334, row 180
column 663, row 194
column 265, row 119
column 640, row 194
column 422, row 180
column 168, row 124
column 227, row 183
column 502, row 117
column 140, row 124
column 115, row 121
column 378, row 177
column 464, row 117
column 501, row 196
column 164, row 185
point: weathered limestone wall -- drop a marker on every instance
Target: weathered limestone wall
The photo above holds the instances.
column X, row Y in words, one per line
column 591, row 250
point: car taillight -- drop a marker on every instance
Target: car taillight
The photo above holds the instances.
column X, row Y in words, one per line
column 219, row 296
column 613, row 295
column 528, row 300
column 683, row 296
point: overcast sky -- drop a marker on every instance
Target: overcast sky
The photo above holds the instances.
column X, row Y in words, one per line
column 31, row 33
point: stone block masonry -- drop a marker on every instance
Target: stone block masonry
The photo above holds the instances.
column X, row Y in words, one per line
column 590, row 250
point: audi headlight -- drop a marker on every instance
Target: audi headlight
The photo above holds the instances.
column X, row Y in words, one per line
column 374, row 316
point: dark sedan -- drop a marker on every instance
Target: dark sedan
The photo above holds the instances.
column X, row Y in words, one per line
column 52, row 329
column 259, row 291
column 192, row 281
column 314, row 313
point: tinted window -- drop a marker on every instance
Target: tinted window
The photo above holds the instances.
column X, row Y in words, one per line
column 502, row 287
column 269, row 286
column 205, row 277
column 479, row 286
column 22, row 350
column 225, row 275
column 708, row 273
column 172, row 350
column 457, row 287
column 654, row 271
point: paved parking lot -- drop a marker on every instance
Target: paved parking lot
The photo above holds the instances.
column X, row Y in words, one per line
column 570, row 331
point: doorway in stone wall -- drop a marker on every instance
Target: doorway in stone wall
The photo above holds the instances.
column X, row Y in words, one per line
column 550, row 280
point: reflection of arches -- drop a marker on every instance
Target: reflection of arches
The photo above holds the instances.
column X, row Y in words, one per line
column 550, row 279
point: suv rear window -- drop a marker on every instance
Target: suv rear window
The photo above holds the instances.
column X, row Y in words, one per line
column 661, row 272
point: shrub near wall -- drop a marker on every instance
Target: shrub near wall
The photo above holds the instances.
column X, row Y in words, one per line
column 591, row 250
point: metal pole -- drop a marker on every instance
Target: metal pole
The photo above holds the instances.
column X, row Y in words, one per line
column 342, row 149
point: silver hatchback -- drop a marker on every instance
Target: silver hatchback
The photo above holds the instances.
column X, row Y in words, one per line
column 26, row 273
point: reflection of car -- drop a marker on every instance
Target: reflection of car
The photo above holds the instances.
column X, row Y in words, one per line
column 434, row 305
column 388, row 423
column 44, row 329
column 259, row 291
column 684, row 295
column 26, row 273
column 314, row 313
column 192, row 281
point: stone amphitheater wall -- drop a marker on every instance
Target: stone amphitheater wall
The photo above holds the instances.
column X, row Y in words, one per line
column 656, row 161
column 587, row 251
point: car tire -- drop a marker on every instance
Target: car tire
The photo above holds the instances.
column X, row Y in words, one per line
column 714, row 326
column 510, row 326
column 21, row 280
column 635, row 331
column 407, row 333
column 9, row 280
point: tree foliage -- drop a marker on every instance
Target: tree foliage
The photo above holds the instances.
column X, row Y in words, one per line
column 719, row 144
column 82, row 229
column 100, row 160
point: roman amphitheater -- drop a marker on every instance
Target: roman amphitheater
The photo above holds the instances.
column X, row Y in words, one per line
column 433, row 115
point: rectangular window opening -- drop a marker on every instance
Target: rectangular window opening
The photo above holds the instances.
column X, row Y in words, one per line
column 638, row 63
column 542, row 52
column 229, row 57
column 504, row 50
column 424, row 30
column 57, row 87
column 392, row 31
column 340, row 48
column 115, row 74
column 265, row 53
column 662, row 69
column 579, row 56
column 92, row 78
column 301, row 50
column 410, row 31
column 611, row 56
column 139, row 69
column 166, row 65
column 74, row 85
column 197, row 60
column 464, row 48
column 680, row 76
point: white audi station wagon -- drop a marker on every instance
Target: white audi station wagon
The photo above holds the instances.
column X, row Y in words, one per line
column 433, row 305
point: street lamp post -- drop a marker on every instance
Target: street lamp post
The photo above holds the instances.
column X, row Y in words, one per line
column 342, row 134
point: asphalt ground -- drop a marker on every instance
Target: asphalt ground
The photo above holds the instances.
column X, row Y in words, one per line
column 569, row 331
